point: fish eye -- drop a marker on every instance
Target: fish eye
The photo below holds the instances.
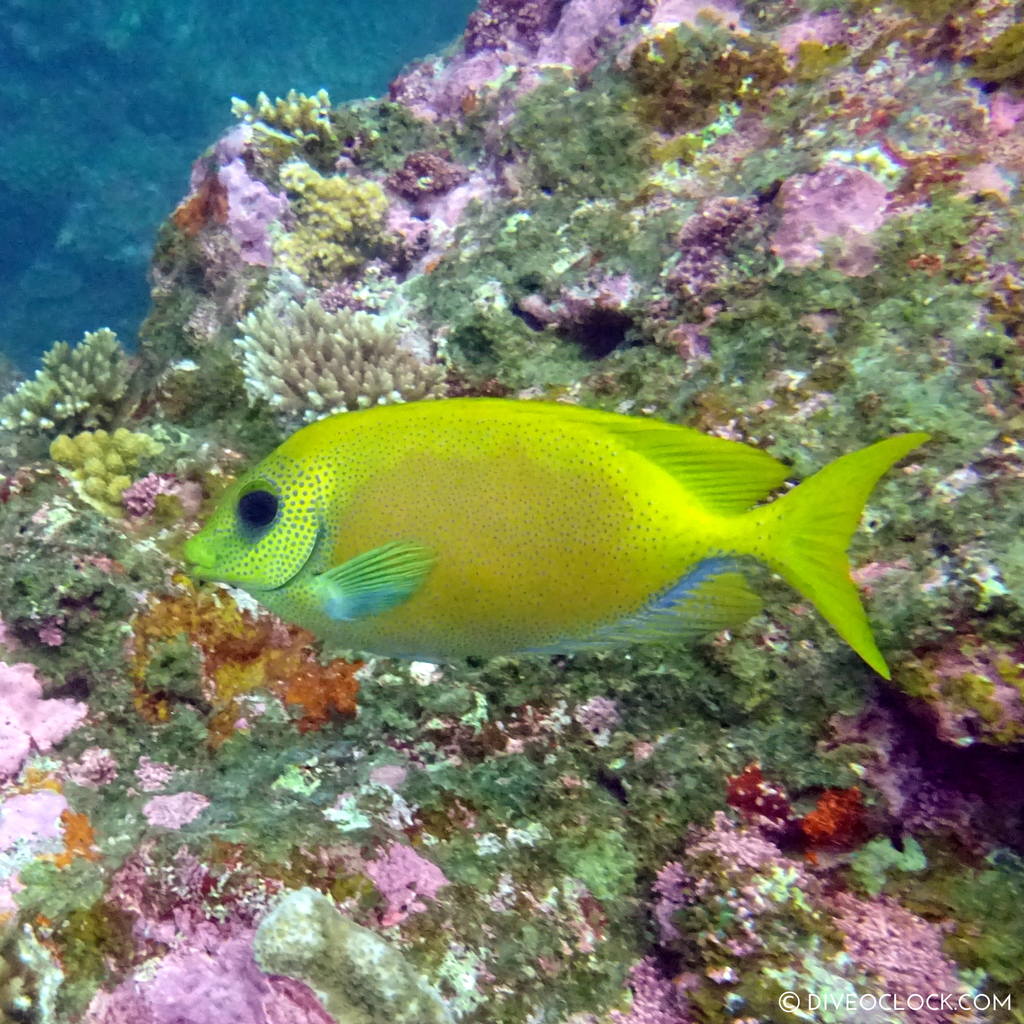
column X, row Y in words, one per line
column 257, row 509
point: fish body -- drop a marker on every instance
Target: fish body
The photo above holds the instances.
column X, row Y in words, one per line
column 438, row 530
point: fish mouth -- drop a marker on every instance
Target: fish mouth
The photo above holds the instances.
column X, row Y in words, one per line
column 200, row 562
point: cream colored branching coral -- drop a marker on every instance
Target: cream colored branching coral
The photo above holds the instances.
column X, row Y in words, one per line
column 298, row 117
column 339, row 220
column 307, row 363
column 76, row 387
column 100, row 463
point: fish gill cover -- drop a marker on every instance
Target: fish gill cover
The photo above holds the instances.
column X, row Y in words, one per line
column 788, row 224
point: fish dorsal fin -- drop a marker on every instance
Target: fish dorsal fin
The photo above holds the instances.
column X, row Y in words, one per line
column 713, row 595
column 374, row 581
column 725, row 476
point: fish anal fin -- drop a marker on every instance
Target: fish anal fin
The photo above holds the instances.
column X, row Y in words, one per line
column 374, row 581
column 713, row 595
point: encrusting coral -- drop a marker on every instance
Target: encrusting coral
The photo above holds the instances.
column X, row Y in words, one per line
column 339, row 222
column 100, row 461
column 357, row 975
column 306, row 362
column 77, row 387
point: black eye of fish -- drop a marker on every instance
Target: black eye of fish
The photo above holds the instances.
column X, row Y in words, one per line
column 257, row 509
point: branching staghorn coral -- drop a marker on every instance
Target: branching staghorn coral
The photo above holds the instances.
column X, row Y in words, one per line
column 340, row 221
column 303, row 118
column 307, row 363
column 100, row 462
column 76, row 388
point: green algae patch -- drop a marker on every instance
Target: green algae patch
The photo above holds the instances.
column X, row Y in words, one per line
column 685, row 77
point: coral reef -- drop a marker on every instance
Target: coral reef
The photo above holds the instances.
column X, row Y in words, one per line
column 796, row 227
column 77, row 387
column 306, row 362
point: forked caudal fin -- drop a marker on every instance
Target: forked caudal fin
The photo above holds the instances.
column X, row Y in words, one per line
column 811, row 528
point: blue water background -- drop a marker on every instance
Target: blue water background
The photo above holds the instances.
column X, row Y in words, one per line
column 105, row 106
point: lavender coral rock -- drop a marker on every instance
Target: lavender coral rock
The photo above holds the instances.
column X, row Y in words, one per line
column 252, row 207
column 197, row 986
column 31, row 818
column 402, row 877
column 175, row 810
column 27, row 720
column 838, row 206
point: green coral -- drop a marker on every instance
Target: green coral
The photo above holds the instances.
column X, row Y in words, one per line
column 1003, row 58
column 340, row 222
column 80, row 573
column 686, row 77
column 990, row 929
column 285, row 125
column 582, row 141
column 306, row 363
column 875, row 860
column 30, row 979
column 77, row 387
column 358, row 976
column 100, row 462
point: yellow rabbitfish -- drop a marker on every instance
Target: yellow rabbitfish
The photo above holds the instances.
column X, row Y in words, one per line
column 478, row 526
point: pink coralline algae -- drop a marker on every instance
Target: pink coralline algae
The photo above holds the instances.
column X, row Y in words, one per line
column 599, row 716
column 826, row 29
column 29, row 824
column 668, row 14
column 140, row 498
column 672, row 893
column 584, row 28
column 96, row 767
column 31, row 817
column 252, row 207
column 27, row 720
column 902, row 950
column 176, row 810
column 656, row 999
column 836, row 209
column 705, row 241
column 197, row 986
column 497, row 23
column 153, row 775
column 51, row 634
column 402, row 877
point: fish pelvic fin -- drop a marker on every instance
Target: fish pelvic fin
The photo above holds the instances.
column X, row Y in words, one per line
column 805, row 535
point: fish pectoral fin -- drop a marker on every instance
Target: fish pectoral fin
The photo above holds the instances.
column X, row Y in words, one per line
column 374, row 581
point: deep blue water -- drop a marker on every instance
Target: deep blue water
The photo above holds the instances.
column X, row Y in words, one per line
column 105, row 106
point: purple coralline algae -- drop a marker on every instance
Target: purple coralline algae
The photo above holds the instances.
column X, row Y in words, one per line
column 404, row 879
column 784, row 223
column 28, row 720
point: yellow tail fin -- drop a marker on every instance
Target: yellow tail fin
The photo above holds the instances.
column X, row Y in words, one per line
column 809, row 530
